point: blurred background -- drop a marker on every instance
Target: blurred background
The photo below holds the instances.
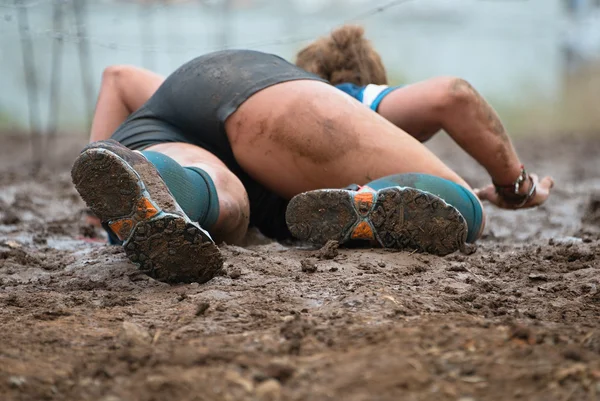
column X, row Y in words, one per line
column 537, row 61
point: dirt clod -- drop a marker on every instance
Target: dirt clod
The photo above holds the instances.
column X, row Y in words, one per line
column 329, row 250
column 308, row 266
column 234, row 273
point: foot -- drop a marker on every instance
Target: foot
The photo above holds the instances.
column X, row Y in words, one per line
column 395, row 217
column 127, row 193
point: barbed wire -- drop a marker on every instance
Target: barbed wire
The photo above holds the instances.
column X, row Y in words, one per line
column 378, row 10
column 360, row 17
column 78, row 33
column 32, row 4
column 24, row 5
column 154, row 6
column 69, row 36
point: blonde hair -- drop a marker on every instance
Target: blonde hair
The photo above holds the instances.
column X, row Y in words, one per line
column 344, row 56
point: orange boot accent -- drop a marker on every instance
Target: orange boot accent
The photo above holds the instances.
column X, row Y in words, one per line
column 122, row 228
column 363, row 201
column 363, row 231
column 145, row 209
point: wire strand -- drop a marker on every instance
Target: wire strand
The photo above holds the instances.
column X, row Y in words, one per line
column 67, row 36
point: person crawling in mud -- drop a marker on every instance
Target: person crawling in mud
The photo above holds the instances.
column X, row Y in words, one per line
column 321, row 150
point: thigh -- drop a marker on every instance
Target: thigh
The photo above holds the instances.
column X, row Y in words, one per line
column 416, row 108
column 304, row 135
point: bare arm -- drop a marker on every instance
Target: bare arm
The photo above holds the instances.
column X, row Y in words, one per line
column 124, row 89
column 453, row 105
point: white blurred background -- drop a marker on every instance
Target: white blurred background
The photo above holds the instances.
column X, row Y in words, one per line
column 535, row 60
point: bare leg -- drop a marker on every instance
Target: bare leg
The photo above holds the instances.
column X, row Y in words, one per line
column 124, row 89
column 293, row 145
column 129, row 195
column 304, row 135
column 234, row 207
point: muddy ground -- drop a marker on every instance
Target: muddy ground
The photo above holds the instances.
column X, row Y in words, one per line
column 517, row 319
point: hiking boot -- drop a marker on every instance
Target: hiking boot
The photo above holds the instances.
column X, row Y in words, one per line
column 127, row 193
column 394, row 217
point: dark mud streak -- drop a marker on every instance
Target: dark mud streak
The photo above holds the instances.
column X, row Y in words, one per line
column 486, row 115
column 312, row 135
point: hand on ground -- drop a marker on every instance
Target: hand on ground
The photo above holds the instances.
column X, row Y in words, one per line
column 541, row 194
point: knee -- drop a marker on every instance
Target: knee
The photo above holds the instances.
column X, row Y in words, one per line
column 114, row 74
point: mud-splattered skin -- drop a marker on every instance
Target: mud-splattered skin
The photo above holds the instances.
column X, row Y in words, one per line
column 485, row 114
column 276, row 127
column 516, row 320
column 484, row 110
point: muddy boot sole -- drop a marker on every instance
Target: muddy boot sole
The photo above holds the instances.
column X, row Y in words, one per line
column 163, row 243
column 396, row 217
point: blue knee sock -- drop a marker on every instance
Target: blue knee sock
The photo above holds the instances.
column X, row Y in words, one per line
column 456, row 195
column 192, row 188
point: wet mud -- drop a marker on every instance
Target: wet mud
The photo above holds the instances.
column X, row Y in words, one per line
column 519, row 318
